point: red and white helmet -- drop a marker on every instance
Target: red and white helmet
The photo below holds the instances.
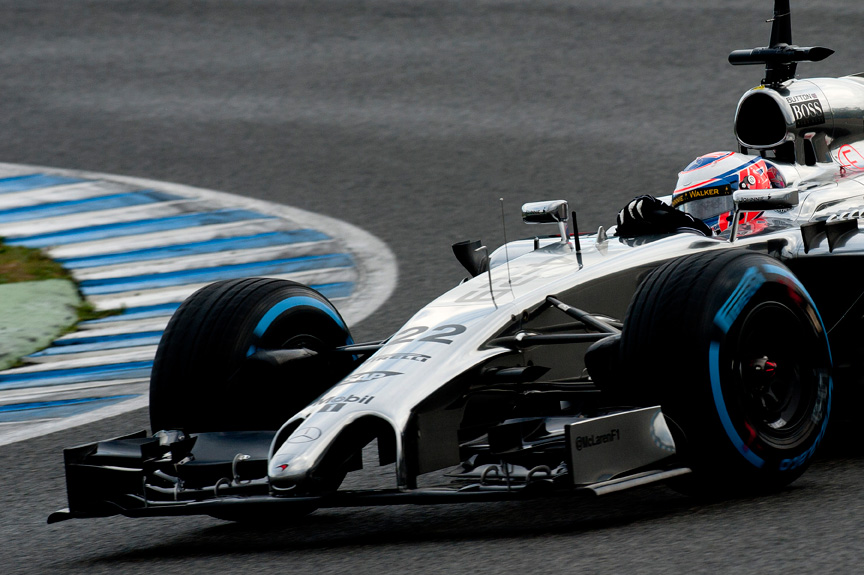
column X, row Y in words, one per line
column 705, row 186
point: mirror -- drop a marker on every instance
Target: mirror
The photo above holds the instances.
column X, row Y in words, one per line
column 762, row 200
column 548, row 212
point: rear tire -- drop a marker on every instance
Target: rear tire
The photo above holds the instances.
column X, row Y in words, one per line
column 732, row 347
column 201, row 378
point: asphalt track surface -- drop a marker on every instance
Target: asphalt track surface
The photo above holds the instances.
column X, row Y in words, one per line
column 410, row 120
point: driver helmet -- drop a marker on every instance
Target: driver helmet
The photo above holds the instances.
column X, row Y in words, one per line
column 704, row 189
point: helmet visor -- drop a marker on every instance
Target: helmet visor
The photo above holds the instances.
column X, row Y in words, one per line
column 705, row 203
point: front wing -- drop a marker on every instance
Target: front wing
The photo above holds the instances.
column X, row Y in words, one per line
column 225, row 474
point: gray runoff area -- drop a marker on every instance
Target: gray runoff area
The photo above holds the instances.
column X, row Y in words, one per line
column 409, row 119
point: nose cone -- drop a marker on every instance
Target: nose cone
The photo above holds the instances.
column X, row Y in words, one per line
column 293, row 461
column 281, row 475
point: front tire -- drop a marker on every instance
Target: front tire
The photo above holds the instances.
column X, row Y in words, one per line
column 731, row 346
column 202, row 379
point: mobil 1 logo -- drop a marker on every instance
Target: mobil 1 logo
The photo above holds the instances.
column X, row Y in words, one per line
column 336, row 403
column 807, row 109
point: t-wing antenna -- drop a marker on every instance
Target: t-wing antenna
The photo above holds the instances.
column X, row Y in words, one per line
column 781, row 57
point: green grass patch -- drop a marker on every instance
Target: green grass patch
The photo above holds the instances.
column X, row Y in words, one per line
column 20, row 264
column 46, row 305
column 87, row 312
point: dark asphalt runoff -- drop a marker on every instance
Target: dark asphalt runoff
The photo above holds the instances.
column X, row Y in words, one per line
column 409, row 119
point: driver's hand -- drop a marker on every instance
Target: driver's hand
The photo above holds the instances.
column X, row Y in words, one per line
column 646, row 215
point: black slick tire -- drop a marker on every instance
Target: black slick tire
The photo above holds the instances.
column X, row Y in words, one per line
column 202, row 379
column 731, row 345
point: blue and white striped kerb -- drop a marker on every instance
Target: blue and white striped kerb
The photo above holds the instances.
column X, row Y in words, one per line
column 143, row 247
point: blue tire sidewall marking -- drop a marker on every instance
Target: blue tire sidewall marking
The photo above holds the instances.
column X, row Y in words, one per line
column 714, row 367
column 750, row 283
column 294, row 301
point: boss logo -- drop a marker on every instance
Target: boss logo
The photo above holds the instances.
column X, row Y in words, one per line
column 808, row 113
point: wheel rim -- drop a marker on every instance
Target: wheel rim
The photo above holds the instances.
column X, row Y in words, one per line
column 774, row 378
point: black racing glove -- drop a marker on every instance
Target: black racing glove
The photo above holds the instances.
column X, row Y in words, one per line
column 646, row 215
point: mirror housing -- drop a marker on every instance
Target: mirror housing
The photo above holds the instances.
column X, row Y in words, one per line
column 548, row 212
column 762, row 200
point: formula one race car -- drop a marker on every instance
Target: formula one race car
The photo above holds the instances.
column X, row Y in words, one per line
column 569, row 363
